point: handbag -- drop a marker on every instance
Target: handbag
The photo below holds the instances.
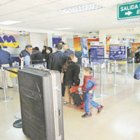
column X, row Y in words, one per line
column 78, row 98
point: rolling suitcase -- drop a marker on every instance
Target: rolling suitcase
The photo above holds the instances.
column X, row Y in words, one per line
column 41, row 104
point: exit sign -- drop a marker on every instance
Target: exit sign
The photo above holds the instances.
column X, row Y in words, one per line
column 129, row 10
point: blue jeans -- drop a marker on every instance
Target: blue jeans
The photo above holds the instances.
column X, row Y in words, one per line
column 89, row 101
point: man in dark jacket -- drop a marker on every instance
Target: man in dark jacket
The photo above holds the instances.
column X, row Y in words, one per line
column 57, row 59
column 36, row 56
column 5, row 61
column 26, row 55
column 78, row 54
column 66, row 49
column 5, row 57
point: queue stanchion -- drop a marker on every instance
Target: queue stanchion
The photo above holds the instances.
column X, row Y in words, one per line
column 98, row 93
column 102, row 94
column 108, row 67
column 94, row 70
column 17, row 123
column 105, row 66
column 126, row 73
column 115, row 63
column 126, row 68
column 93, row 67
column 133, row 61
column 22, row 63
column 100, row 78
column 6, row 98
column 18, row 115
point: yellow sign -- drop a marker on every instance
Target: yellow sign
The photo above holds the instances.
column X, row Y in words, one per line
column 13, row 45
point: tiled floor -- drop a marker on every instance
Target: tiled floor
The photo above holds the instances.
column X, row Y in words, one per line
column 119, row 120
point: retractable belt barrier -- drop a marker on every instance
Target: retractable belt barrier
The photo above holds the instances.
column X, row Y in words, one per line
column 101, row 71
column 10, row 70
column 6, row 98
column 124, row 59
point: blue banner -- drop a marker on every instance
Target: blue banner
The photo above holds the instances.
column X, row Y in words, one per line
column 84, row 47
column 96, row 54
column 117, row 52
column 56, row 41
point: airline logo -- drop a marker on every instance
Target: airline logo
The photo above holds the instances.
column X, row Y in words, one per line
column 8, row 41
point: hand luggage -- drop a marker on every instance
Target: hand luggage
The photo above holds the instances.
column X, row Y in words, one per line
column 137, row 73
column 41, row 104
column 78, row 97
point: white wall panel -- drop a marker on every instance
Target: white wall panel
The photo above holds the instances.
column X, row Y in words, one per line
column 37, row 40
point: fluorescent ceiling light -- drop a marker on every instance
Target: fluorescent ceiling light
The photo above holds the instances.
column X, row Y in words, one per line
column 9, row 22
column 81, row 8
column 57, row 34
column 60, row 29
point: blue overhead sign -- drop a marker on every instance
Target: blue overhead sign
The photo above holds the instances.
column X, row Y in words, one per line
column 97, row 53
column 56, row 40
column 117, row 52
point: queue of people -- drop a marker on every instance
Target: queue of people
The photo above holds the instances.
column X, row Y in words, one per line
column 32, row 55
column 66, row 63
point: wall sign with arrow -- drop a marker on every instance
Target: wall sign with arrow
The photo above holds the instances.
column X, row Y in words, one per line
column 129, row 10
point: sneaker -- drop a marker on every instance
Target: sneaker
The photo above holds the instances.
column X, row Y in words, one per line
column 86, row 115
column 100, row 109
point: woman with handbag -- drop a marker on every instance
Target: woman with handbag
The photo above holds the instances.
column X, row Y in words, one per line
column 70, row 72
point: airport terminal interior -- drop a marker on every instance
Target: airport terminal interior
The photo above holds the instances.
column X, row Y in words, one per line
column 69, row 70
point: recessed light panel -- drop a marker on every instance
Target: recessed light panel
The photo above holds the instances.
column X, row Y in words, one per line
column 60, row 29
column 9, row 22
column 81, row 8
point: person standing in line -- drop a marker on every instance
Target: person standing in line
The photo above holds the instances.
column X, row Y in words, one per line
column 67, row 50
column 61, row 43
column 5, row 61
column 44, row 51
column 78, row 54
column 67, row 53
column 48, row 52
column 71, row 72
column 57, row 59
column 26, row 55
column 36, row 56
column 89, row 87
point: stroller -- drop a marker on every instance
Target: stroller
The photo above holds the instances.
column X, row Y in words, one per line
column 78, row 96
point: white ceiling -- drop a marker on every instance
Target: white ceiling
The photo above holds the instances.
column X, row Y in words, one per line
column 45, row 15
